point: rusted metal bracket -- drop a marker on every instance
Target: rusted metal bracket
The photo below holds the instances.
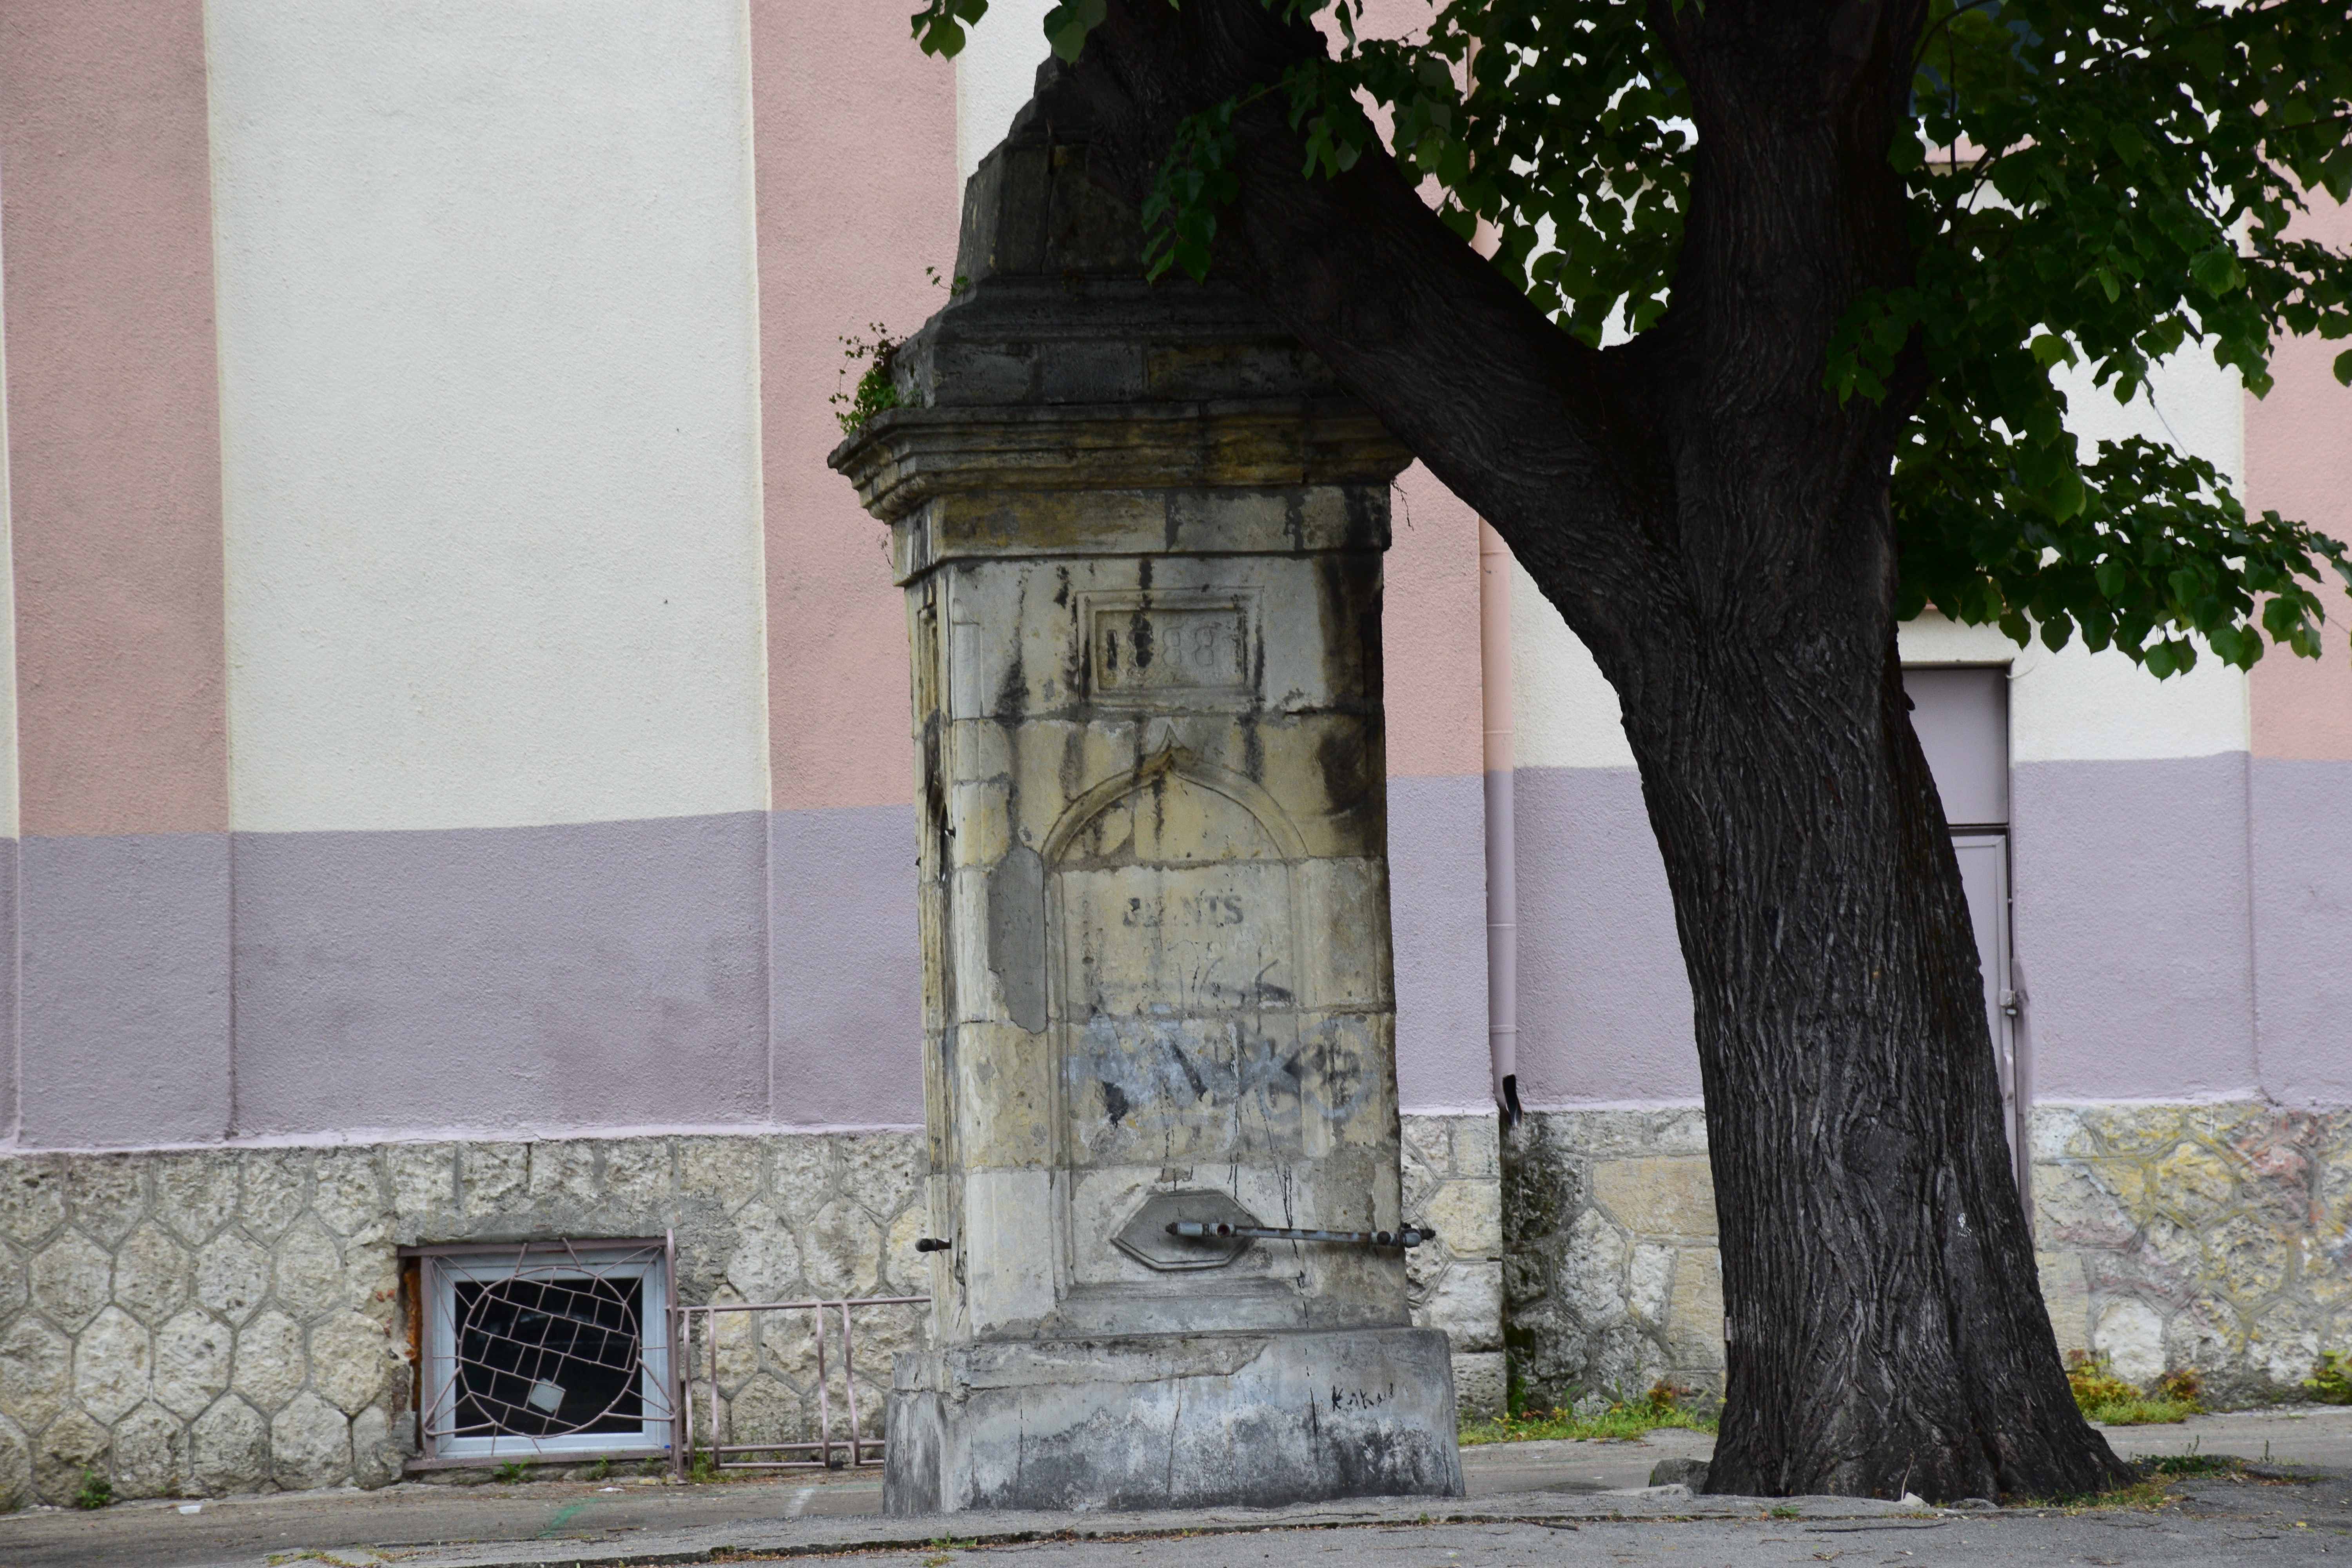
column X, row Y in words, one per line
column 1192, row 1229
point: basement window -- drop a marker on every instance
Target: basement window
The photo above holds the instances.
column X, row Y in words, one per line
column 557, row 1348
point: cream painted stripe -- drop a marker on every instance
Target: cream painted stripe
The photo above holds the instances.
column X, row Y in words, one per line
column 489, row 371
column 2071, row 706
column 995, row 74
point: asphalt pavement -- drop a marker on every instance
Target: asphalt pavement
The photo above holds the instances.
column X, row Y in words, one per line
column 1528, row 1504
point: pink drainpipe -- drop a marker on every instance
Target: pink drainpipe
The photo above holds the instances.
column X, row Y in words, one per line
column 1502, row 853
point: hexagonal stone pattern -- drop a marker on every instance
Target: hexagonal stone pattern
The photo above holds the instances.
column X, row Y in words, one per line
column 228, row 1448
column 32, row 1198
column 192, row 1362
column 196, row 1194
column 310, row 1443
column 71, row 1278
column 232, row 1276
column 269, row 1365
column 152, row 1273
column 227, row 1319
column 114, row 1362
column 106, row 1193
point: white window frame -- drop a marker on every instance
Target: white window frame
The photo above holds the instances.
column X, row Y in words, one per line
column 443, row 1268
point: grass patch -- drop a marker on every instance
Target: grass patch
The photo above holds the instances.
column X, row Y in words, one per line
column 2103, row 1396
column 1624, row 1421
column 2330, row 1382
column 2193, row 1465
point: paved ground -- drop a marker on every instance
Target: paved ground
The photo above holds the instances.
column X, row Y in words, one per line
column 1565, row 1503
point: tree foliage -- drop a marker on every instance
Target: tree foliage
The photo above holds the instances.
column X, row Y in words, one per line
column 2092, row 185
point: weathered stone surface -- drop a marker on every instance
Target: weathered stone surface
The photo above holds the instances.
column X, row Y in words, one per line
column 843, row 1251
column 564, row 1172
column 195, row 1194
column 766, row 1265
column 1468, row 1217
column 35, row 1373
column 492, row 1176
column 1481, row 1385
column 376, row 1453
column 72, row 1278
column 114, row 1364
column 310, row 1443
column 151, row 1454
column 308, row 1276
column 347, row 1192
column 801, row 1172
column 268, row 1364
column 222, row 1356
column 15, row 1283
column 1649, row 1281
column 1658, row 1196
column 1153, row 889
column 424, row 1178
column 725, row 1171
column 1695, row 1329
column 764, row 1411
column 231, row 1276
column 32, row 1198
column 350, row 1359
column 2067, row 1296
column 2168, row 1236
column 16, row 1467
column 106, row 1195
column 228, row 1448
column 72, row 1445
column 637, row 1173
column 1468, row 1306
column 879, row 1170
column 274, row 1188
column 152, row 1273
column 2131, row 1336
column 192, row 1356
column 1054, row 1425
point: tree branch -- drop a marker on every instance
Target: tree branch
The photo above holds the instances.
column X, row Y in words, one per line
column 1527, row 425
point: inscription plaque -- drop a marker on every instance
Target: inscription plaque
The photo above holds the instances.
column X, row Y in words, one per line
column 1170, row 648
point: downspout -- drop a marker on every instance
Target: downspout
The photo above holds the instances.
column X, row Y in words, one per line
column 1502, row 844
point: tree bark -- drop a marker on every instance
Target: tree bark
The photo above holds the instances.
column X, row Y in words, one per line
column 1714, row 525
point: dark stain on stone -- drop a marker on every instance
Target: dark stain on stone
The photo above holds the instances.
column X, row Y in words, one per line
column 1344, row 756
column 1113, row 1100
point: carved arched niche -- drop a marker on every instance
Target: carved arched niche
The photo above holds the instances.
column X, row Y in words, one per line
column 1174, row 996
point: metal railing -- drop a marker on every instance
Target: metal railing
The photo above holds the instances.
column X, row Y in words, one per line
column 857, row 1445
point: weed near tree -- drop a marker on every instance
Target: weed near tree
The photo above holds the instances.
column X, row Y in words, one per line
column 1666, row 1404
column 2104, row 1398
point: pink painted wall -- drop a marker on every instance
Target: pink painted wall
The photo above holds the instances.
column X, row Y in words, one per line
column 1429, row 618
column 114, row 418
column 854, row 140
column 2299, row 464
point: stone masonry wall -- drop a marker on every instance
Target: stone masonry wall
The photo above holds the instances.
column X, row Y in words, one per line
column 223, row 1320
column 2213, row 1237
column 201, row 1322
column 1611, row 1280
column 1453, row 1180
column 2207, row 1237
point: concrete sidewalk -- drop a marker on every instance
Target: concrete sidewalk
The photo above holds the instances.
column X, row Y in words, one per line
column 1524, row 1491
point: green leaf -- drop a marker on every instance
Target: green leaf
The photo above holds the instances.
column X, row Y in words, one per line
column 2216, row 271
column 940, row 26
column 1067, row 25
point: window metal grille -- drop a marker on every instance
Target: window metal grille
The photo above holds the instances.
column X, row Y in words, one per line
column 547, row 1348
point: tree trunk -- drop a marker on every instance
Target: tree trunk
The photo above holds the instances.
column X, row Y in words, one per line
column 1886, row 1332
column 1714, row 526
